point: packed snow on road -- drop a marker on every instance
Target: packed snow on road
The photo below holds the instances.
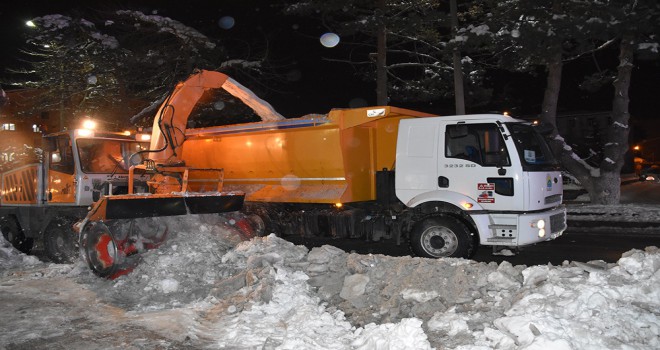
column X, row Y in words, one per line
column 206, row 288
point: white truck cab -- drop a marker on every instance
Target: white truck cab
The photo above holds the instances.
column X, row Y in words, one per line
column 496, row 171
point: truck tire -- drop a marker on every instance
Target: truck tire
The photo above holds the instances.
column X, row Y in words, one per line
column 441, row 236
column 99, row 248
column 60, row 241
column 12, row 232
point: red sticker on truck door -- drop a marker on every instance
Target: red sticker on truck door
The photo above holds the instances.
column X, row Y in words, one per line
column 486, row 187
column 486, row 197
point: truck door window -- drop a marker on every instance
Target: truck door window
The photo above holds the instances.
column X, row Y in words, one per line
column 482, row 144
column 108, row 156
column 532, row 148
column 61, row 159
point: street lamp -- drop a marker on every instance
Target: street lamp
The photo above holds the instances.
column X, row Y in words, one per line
column 89, row 124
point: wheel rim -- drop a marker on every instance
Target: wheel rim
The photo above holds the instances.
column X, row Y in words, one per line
column 101, row 251
column 439, row 241
column 105, row 250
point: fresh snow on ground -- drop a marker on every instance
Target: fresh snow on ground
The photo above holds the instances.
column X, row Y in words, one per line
column 205, row 288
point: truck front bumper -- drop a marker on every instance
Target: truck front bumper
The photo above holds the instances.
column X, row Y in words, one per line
column 521, row 229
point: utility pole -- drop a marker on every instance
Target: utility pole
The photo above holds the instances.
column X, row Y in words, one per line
column 459, row 97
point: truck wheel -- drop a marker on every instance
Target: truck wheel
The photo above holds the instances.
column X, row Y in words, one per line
column 13, row 233
column 59, row 242
column 441, row 236
column 103, row 253
column 99, row 249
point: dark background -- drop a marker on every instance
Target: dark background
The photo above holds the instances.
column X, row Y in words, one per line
column 293, row 46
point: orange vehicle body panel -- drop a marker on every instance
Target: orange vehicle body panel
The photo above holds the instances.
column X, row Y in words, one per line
column 334, row 161
column 20, row 186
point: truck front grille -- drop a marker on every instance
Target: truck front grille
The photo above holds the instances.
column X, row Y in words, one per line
column 557, row 222
column 555, row 198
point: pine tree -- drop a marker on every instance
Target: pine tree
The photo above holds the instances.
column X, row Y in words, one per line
column 110, row 65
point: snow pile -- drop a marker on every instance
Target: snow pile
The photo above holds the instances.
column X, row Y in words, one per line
column 12, row 258
column 186, row 268
column 463, row 303
column 608, row 214
column 207, row 289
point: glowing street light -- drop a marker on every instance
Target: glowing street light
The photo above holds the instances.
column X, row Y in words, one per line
column 89, row 124
column 30, row 24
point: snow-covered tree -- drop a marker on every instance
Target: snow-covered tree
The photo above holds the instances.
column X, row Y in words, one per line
column 635, row 25
column 110, row 65
column 529, row 34
column 418, row 45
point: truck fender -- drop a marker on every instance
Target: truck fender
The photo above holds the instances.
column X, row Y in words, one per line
column 479, row 221
column 454, row 198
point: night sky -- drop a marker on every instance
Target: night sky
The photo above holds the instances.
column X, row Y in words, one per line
column 294, row 42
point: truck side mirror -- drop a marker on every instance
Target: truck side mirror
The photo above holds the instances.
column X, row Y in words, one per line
column 96, row 195
column 48, row 144
column 503, row 156
column 456, row 131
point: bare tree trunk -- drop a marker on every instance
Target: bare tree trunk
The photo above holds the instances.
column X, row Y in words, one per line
column 607, row 188
column 381, row 56
column 549, row 115
column 459, row 96
column 551, row 94
column 568, row 159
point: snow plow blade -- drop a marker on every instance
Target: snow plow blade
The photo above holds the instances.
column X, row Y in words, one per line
column 155, row 205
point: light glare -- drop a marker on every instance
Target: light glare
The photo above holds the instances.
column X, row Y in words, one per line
column 329, row 40
column 89, row 124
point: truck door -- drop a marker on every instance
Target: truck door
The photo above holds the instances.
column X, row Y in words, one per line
column 474, row 161
column 61, row 172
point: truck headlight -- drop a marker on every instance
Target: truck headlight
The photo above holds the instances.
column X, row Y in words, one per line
column 540, row 224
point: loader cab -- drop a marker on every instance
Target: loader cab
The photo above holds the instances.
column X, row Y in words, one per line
column 82, row 165
column 104, row 163
column 60, row 169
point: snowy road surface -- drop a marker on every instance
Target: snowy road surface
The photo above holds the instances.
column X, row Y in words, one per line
column 204, row 289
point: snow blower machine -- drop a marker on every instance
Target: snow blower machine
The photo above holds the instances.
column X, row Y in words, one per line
column 160, row 185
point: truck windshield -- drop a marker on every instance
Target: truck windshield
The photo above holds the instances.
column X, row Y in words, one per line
column 534, row 152
column 108, row 156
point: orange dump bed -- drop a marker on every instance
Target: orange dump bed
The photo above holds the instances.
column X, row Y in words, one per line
column 319, row 159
